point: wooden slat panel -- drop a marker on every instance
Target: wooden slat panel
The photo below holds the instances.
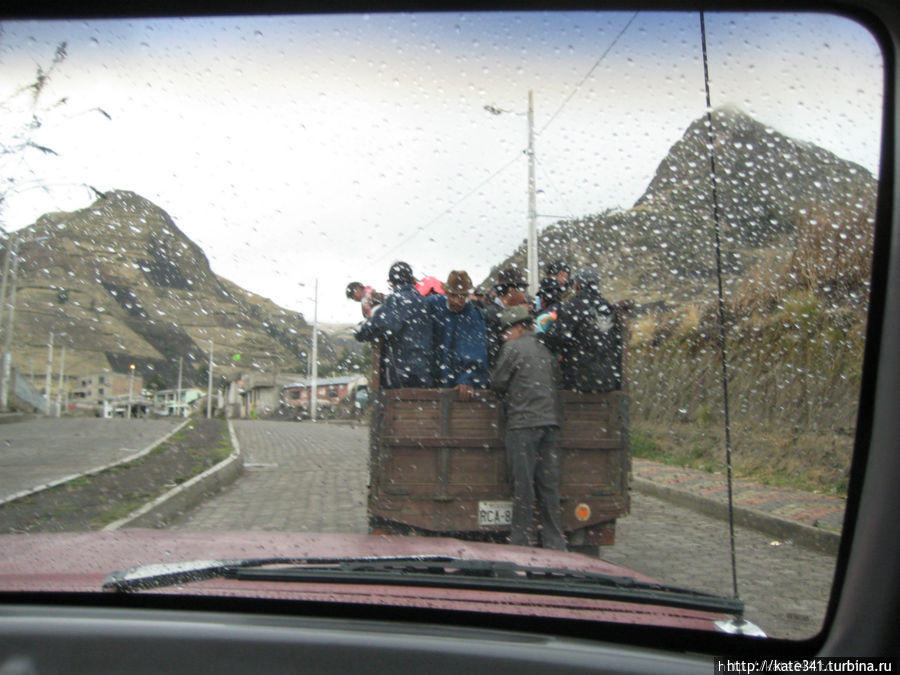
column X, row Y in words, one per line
column 474, row 467
column 416, row 418
column 408, row 466
column 431, row 442
column 603, row 427
column 585, row 470
column 591, row 445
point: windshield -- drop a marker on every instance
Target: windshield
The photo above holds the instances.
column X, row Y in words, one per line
column 413, row 284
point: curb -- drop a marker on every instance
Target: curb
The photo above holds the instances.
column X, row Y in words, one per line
column 12, row 418
column 182, row 497
column 91, row 472
column 823, row 541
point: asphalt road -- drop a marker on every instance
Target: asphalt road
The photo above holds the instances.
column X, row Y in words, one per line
column 312, row 477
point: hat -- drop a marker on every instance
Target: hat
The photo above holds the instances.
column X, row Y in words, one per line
column 558, row 266
column 400, row 274
column 458, row 282
column 510, row 276
column 513, row 315
column 587, row 276
column 549, row 291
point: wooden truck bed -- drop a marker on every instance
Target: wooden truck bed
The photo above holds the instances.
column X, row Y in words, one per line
column 438, row 465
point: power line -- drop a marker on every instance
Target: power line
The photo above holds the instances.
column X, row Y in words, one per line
column 496, row 111
column 450, row 208
column 589, row 73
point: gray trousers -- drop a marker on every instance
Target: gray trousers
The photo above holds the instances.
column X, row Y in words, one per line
column 532, row 458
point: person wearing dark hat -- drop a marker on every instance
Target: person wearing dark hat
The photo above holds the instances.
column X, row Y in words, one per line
column 460, row 338
column 512, row 290
column 548, row 295
column 403, row 321
column 558, row 271
column 587, row 333
column 527, row 377
column 367, row 296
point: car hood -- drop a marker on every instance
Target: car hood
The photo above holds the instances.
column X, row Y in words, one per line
column 81, row 562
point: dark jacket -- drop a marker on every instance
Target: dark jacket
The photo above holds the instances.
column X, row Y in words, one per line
column 527, row 376
column 587, row 334
column 405, row 324
column 460, row 344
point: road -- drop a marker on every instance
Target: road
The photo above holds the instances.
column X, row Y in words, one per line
column 312, row 477
column 36, row 452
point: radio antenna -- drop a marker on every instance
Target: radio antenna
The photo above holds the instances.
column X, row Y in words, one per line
column 720, row 314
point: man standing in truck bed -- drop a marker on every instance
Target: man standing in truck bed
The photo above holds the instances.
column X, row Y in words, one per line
column 404, row 323
column 460, row 338
column 527, row 376
column 587, row 333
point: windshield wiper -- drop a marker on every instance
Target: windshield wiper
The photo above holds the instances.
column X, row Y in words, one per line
column 433, row 571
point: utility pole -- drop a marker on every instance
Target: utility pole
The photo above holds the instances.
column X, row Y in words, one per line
column 11, row 242
column 130, row 390
column 209, row 383
column 314, row 394
column 47, row 379
column 10, row 267
column 59, row 388
column 6, row 357
column 179, row 403
column 532, row 205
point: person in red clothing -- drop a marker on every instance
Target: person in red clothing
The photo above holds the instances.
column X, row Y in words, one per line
column 367, row 296
column 430, row 286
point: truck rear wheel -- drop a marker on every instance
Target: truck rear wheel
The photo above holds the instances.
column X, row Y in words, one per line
column 588, row 540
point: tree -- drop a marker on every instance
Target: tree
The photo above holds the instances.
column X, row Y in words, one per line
column 23, row 138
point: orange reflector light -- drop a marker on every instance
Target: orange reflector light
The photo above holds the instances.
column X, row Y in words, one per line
column 582, row 512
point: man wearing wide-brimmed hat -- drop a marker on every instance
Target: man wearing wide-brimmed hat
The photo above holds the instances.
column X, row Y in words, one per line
column 527, row 377
column 460, row 337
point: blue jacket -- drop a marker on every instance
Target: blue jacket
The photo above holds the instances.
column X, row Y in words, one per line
column 460, row 345
column 403, row 320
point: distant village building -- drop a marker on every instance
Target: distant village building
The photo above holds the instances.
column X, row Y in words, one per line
column 265, row 394
column 93, row 390
column 255, row 394
column 175, row 402
column 329, row 390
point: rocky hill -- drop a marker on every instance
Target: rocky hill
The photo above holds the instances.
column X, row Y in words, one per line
column 768, row 186
column 119, row 283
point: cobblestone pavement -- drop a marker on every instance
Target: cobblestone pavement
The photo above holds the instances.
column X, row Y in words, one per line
column 784, row 587
column 39, row 451
column 312, row 477
column 811, row 509
column 302, row 477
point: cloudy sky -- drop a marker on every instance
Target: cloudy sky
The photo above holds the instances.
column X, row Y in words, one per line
column 296, row 149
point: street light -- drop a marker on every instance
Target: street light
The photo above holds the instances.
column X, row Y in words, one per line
column 532, row 252
column 130, row 389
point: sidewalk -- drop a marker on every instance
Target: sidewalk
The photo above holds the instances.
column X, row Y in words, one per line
column 807, row 519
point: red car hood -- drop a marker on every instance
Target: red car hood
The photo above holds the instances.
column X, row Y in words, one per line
column 81, row 562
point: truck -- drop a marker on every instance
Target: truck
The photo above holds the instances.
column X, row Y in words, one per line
column 438, row 465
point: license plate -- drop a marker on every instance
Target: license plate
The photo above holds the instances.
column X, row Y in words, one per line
column 494, row 513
